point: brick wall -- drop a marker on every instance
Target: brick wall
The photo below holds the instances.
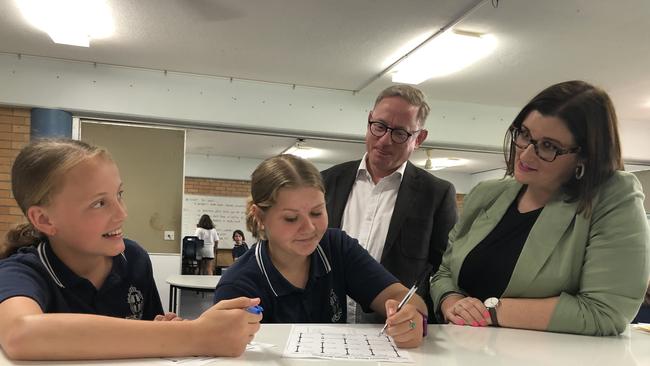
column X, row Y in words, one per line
column 14, row 134
column 217, row 187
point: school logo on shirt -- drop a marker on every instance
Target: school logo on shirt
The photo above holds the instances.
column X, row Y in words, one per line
column 135, row 300
column 335, row 306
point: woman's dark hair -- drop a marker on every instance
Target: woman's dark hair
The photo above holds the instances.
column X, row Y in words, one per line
column 241, row 233
column 36, row 175
column 589, row 114
column 205, row 222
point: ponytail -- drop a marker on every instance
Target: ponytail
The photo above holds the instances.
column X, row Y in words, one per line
column 252, row 223
column 23, row 235
column 36, row 173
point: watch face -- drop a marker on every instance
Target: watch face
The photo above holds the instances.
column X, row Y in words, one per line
column 491, row 302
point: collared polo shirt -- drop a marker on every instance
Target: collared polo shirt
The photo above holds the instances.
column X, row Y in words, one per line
column 129, row 291
column 339, row 266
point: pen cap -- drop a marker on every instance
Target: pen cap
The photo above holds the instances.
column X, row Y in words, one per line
column 255, row 309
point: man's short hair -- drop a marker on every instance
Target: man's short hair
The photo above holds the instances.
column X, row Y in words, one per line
column 412, row 95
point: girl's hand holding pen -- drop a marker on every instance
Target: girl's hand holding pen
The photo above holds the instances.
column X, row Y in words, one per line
column 237, row 319
column 405, row 325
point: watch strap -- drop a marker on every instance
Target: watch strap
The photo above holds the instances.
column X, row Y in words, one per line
column 493, row 316
column 425, row 323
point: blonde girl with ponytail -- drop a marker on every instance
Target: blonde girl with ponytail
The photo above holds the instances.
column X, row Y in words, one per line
column 71, row 285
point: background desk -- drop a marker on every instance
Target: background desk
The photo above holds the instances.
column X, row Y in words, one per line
column 455, row 345
column 189, row 282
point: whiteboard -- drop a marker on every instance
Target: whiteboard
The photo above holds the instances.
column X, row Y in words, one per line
column 227, row 214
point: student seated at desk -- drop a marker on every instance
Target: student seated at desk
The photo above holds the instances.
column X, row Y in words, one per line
column 561, row 244
column 71, row 287
column 302, row 271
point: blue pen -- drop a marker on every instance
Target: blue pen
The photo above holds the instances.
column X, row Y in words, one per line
column 255, row 309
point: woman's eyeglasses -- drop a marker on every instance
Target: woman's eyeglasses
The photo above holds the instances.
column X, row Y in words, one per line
column 546, row 150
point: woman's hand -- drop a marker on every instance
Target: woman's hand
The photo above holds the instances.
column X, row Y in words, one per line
column 405, row 326
column 226, row 328
column 461, row 310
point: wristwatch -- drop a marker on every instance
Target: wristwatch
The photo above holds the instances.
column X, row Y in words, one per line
column 491, row 304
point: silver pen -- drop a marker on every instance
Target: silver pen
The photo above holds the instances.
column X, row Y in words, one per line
column 406, row 298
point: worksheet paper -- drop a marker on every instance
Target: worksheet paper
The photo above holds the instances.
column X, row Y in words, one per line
column 200, row 361
column 342, row 343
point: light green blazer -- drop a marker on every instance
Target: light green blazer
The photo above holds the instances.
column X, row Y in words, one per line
column 598, row 266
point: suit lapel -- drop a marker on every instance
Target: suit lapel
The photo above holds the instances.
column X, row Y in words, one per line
column 545, row 235
column 340, row 191
column 406, row 197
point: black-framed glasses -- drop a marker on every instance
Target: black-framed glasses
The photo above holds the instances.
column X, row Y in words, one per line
column 398, row 135
column 545, row 149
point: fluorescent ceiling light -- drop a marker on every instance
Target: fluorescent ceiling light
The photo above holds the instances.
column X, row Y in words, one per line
column 406, row 48
column 445, row 54
column 442, row 163
column 301, row 150
column 71, row 22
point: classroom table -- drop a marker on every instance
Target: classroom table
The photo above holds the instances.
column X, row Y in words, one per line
column 189, row 282
column 452, row 345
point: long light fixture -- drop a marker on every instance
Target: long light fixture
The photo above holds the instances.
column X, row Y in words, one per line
column 300, row 149
column 443, row 55
column 441, row 163
column 71, row 22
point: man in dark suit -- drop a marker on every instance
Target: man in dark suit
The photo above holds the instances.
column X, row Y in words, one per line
column 400, row 213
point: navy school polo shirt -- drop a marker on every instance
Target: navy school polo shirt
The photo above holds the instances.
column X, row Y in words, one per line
column 129, row 291
column 339, row 267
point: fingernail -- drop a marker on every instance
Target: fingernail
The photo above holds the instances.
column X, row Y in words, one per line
column 461, row 322
column 486, row 314
column 474, row 324
column 483, row 322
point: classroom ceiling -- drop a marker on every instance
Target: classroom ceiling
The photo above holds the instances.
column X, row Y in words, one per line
column 343, row 44
column 253, row 146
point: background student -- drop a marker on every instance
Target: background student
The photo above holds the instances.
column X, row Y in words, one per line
column 205, row 231
column 240, row 246
column 303, row 271
column 71, row 287
column 561, row 244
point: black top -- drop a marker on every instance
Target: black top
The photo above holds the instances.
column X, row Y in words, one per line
column 238, row 250
column 339, row 266
column 129, row 291
column 487, row 269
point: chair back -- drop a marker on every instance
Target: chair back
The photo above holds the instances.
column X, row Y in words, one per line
column 190, row 254
column 190, row 247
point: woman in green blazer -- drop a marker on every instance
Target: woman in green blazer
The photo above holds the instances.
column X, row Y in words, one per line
column 561, row 243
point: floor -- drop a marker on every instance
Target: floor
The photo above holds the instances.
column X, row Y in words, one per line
column 193, row 304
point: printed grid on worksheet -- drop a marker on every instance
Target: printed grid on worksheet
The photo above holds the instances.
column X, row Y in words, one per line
column 342, row 343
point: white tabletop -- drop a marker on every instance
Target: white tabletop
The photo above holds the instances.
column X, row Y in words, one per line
column 455, row 345
column 194, row 281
